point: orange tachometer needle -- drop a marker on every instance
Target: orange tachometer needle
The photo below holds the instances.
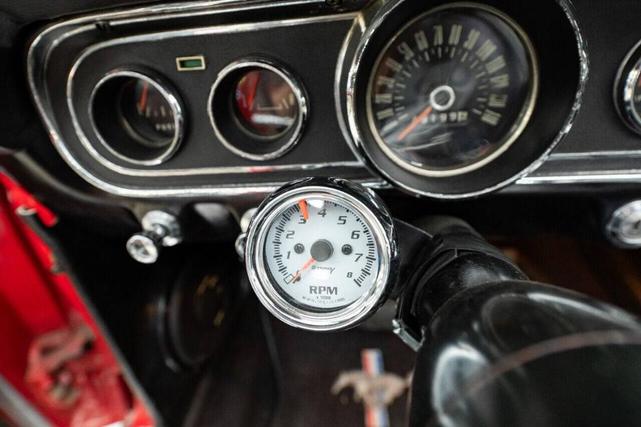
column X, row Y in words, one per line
column 302, row 205
column 142, row 102
column 415, row 122
column 305, row 266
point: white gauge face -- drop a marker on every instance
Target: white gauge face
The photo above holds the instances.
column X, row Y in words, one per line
column 321, row 254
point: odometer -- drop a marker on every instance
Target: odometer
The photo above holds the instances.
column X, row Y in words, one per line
column 452, row 90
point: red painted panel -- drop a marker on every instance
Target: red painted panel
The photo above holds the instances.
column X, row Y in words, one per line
column 40, row 317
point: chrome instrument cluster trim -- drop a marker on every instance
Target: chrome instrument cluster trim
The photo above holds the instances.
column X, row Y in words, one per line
column 297, row 88
column 223, row 29
column 593, row 177
column 51, row 36
column 370, row 23
column 45, row 42
column 162, row 87
column 624, row 154
column 368, row 206
column 623, row 89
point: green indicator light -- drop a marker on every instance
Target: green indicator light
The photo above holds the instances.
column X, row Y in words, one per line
column 190, row 63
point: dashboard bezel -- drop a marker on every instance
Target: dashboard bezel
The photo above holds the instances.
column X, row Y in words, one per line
column 367, row 40
column 40, row 52
column 293, row 136
column 522, row 120
column 364, row 202
column 168, row 93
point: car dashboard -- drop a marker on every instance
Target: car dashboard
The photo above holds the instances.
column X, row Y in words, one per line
column 320, row 59
column 167, row 154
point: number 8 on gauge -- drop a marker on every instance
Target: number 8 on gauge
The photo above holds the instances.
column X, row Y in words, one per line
column 319, row 254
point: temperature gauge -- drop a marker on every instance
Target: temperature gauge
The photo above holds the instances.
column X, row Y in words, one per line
column 320, row 254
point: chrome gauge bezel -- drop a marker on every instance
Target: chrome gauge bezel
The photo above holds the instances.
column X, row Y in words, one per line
column 516, row 130
column 541, row 134
column 170, row 96
column 363, row 202
column 626, row 79
column 290, row 137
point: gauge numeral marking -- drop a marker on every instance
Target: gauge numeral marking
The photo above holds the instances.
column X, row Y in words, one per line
column 383, row 98
column 497, row 100
column 342, row 220
column 495, row 65
column 421, row 40
column 385, row 114
column 486, row 49
column 490, row 117
column 501, row 81
column 455, row 34
column 472, row 38
column 405, row 50
column 438, row 35
column 385, row 81
column 389, row 127
column 358, row 257
column 290, row 234
column 393, row 65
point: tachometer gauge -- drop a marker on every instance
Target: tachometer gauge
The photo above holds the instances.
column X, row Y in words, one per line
column 452, row 90
column 320, row 254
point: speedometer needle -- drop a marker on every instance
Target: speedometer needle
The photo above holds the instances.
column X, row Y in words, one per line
column 305, row 266
column 415, row 122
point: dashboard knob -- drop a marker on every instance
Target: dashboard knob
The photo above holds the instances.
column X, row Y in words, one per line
column 160, row 229
column 624, row 226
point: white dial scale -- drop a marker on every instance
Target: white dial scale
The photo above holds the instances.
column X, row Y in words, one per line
column 319, row 257
column 321, row 254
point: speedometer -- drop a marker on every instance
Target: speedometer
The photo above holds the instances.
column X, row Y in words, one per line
column 320, row 254
column 452, row 90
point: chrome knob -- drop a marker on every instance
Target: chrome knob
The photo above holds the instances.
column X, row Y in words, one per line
column 160, row 229
column 624, row 227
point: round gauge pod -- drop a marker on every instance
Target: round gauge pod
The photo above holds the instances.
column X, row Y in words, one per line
column 138, row 116
column 321, row 254
column 627, row 89
column 257, row 109
column 459, row 99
